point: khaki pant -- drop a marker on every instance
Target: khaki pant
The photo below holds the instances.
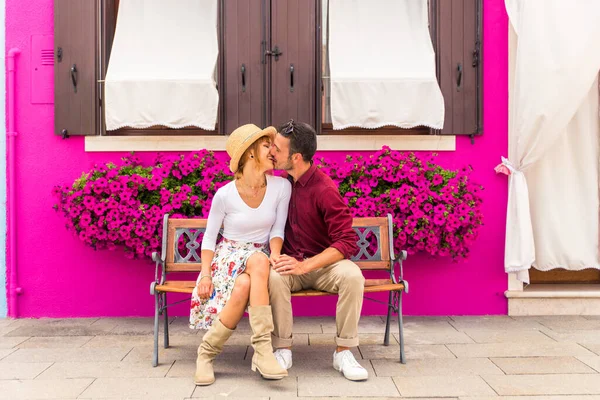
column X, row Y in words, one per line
column 343, row 278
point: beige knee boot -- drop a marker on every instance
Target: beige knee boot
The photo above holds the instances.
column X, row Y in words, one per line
column 211, row 346
column 261, row 322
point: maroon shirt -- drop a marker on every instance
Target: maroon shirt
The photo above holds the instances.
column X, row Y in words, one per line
column 318, row 218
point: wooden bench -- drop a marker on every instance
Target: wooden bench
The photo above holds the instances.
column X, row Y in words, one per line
column 181, row 253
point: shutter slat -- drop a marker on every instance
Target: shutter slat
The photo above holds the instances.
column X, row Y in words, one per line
column 75, row 33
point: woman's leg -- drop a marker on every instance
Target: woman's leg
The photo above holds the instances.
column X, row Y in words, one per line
column 236, row 305
column 257, row 267
column 221, row 329
column 261, row 318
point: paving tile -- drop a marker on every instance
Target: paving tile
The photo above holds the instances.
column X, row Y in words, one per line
column 10, row 342
column 249, row 384
column 55, row 342
column 436, row 367
column 422, row 324
column 518, row 349
column 222, row 367
column 56, row 322
column 507, row 336
column 131, row 326
column 432, row 337
column 322, row 367
column 179, row 326
column 7, row 330
column 232, row 398
column 520, row 385
column 413, row 352
column 310, row 386
column 61, row 329
column 140, row 388
column 442, row 386
column 363, row 338
column 141, row 341
column 591, row 397
column 367, row 324
column 70, row 370
column 569, row 323
column 495, row 323
column 593, row 347
column 43, row 389
column 314, row 352
column 592, row 361
column 542, row 365
column 366, row 397
column 167, row 356
column 582, row 337
column 5, row 352
column 22, row 370
column 313, row 325
column 58, row 354
column 354, row 398
column 5, row 322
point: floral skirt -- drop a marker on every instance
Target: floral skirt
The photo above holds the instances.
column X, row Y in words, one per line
column 228, row 263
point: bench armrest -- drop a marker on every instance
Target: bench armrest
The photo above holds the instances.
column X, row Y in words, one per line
column 398, row 261
column 159, row 273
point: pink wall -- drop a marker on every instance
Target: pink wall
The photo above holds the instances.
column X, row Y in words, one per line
column 61, row 277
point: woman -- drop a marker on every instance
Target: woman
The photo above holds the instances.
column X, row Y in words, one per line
column 253, row 211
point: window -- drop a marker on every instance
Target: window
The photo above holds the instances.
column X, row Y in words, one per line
column 272, row 66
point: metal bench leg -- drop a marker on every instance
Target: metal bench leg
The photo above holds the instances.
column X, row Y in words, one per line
column 166, row 318
column 386, row 336
column 401, row 328
column 156, row 313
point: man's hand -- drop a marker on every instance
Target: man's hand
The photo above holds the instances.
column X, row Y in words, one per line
column 289, row 266
column 205, row 287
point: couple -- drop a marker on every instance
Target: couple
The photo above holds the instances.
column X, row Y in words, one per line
column 252, row 266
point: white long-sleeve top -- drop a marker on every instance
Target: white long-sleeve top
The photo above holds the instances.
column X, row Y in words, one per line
column 244, row 223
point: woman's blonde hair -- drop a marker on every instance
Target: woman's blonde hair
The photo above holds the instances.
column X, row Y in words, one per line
column 252, row 149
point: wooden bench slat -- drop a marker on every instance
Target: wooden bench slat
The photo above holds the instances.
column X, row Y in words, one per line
column 371, row 286
column 197, row 267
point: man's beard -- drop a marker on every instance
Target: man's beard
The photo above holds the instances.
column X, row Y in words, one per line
column 287, row 166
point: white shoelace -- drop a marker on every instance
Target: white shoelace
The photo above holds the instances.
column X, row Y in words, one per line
column 349, row 358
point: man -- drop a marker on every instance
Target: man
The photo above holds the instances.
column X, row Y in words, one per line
column 319, row 240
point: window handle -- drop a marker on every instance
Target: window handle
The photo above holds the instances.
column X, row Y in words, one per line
column 291, row 77
column 459, row 73
column 74, row 77
column 243, row 77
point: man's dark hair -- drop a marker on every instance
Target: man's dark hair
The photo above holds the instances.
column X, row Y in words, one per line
column 303, row 138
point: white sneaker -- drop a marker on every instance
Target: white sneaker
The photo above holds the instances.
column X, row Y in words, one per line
column 345, row 362
column 284, row 357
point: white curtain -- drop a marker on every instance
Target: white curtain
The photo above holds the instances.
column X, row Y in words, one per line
column 555, row 66
column 382, row 65
column 162, row 65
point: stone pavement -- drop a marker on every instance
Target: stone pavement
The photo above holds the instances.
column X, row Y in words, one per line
column 475, row 358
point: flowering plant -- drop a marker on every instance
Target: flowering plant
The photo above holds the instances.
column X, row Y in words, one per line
column 434, row 209
column 123, row 205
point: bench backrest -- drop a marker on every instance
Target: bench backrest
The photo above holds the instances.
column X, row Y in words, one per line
column 182, row 240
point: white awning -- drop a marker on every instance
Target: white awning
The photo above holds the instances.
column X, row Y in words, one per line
column 382, row 65
column 162, row 65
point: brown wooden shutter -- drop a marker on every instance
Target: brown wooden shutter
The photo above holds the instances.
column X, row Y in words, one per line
column 456, row 33
column 294, row 74
column 241, row 89
column 75, row 76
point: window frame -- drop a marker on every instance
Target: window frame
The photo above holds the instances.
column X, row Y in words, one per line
column 106, row 26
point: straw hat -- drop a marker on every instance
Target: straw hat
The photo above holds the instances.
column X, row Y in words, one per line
column 242, row 138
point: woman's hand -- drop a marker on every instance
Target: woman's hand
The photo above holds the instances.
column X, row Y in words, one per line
column 274, row 259
column 205, row 287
